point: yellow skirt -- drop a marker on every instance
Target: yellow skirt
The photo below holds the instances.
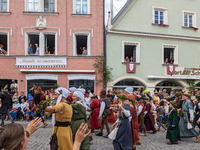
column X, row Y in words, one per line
column 64, row 138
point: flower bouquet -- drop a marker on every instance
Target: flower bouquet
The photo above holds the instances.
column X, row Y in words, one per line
column 41, row 106
column 52, row 102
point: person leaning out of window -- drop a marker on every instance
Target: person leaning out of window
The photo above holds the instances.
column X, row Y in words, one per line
column 30, row 50
column 37, row 49
column 126, row 60
column 84, row 51
column 2, row 51
column 166, row 61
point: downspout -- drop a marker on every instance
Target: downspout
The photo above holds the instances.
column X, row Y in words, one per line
column 104, row 37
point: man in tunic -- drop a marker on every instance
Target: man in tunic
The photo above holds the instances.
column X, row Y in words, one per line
column 6, row 105
column 196, row 120
column 188, row 116
column 104, row 112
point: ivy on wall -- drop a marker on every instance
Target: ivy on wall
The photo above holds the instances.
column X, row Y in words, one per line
column 103, row 70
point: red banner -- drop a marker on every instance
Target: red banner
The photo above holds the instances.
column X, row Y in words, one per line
column 170, row 69
column 131, row 67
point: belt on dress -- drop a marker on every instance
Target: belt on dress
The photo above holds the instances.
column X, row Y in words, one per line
column 79, row 119
column 62, row 124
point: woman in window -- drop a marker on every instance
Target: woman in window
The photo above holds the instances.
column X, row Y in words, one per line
column 126, row 60
column 84, row 51
column 37, row 49
column 166, row 61
column 172, row 60
column 131, row 59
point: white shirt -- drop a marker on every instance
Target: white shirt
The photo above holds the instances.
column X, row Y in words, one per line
column 166, row 107
column 102, row 108
column 90, row 95
column 37, row 50
column 87, row 100
column 139, row 110
column 24, row 106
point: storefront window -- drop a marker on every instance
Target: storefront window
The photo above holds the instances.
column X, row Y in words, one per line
column 86, row 84
column 44, row 84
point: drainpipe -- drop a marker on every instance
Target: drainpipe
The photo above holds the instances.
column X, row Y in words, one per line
column 104, row 36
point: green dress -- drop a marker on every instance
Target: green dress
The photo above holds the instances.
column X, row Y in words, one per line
column 79, row 117
column 173, row 134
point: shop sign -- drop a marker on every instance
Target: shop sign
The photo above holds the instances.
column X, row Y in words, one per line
column 30, row 62
column 131, row 67
column 188, row 72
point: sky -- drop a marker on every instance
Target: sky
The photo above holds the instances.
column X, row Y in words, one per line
column 118, row 4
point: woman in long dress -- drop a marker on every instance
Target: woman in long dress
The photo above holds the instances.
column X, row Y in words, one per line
column 188, row 116
column 94, row 121
column 61, row 119
column 79, row 117
column 123, row 137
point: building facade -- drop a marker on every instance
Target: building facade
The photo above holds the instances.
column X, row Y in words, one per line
column 152, row 33
column 61, row 29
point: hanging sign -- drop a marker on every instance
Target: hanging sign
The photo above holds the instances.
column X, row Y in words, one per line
column 171, row 69
column 131, row 67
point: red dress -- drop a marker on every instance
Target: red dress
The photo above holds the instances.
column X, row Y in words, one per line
column 134, row 126
column 111, row 117
column 94, row 121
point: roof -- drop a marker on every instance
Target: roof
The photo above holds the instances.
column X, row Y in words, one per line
column 121, row 12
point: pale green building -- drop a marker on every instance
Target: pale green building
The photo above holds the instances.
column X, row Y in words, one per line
column 150, row 32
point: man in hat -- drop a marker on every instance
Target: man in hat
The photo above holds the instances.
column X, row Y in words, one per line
column 103, row 113
column 188, row 116
column 6, row 101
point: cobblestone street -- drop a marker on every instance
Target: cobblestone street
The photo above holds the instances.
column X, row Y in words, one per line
column 40, row 141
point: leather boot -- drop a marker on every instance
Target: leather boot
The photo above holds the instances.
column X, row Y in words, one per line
column 144, row 134
column 197, row 139
column 134, row 147
column 138, row 142
column 45, row 124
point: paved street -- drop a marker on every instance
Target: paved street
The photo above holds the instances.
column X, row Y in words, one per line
column 40, row 141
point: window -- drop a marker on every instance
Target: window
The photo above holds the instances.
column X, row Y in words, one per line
column 33, row 5
column 87, row 84
column 39, row 43
column 3, row 44
column 160, row 16
column 3, row 5
column 82, row 44
column 170, row 54
column 41, row 5
column 33, row 40
column 49, row 44
column 131, row 52
column 81, row 6
column 49, row 5
column 189, row 19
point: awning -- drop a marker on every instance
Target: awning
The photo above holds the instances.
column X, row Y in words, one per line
column 174, row 78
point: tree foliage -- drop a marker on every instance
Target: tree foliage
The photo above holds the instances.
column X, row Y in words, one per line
column 191, row 84
column 103, row 70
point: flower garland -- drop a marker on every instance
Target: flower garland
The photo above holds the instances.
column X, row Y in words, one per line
column 41, row 106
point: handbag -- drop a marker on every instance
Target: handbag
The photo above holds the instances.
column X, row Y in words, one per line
column 113, row 134
column 189, row 125
column 53, row 142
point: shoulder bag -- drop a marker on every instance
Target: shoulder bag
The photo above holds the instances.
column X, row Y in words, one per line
column 189, row 125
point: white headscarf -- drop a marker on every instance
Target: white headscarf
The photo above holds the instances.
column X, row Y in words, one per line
column 73, row 89
column 63, row 92
column 81, row 90
column 79, row 95
column 129, row 90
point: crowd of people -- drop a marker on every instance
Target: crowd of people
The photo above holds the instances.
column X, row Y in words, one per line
column 128, row 111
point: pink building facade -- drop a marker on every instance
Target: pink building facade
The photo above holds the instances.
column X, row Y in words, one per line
column 61, row 29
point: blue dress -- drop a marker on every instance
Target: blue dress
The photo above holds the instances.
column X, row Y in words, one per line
column 123, row 138
column 184, row 131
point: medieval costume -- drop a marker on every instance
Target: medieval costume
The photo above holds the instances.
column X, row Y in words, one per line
column 148, row 120
column 79, row 117
column 196, row 120
column 134, row 120
column 123, row 137
column 188, row 114
column 111, row 117
column 61, row 120
column 94, row 121
column 104, row 112
column 6, row 101
column 140, row 114
column 173, row 133
column 38, row 97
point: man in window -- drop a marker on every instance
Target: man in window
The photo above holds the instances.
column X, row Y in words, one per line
column 126, row 60
column 13, row 87
column 30, row 50
column 2, row 51
column 37, row 49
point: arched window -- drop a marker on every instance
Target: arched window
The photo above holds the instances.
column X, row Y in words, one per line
column 128, row 82
column 168, row 83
